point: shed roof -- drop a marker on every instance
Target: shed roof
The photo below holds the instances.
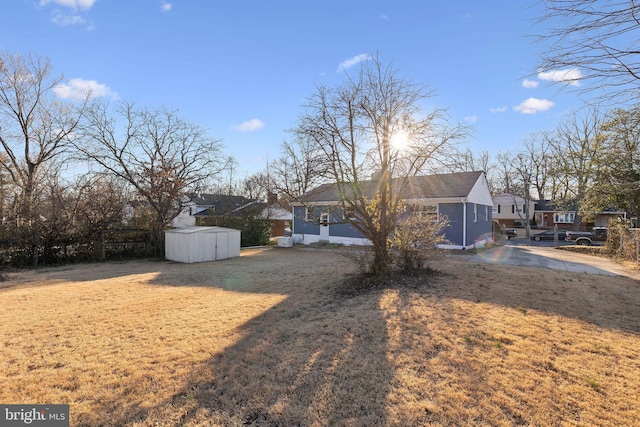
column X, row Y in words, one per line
column 200, row 229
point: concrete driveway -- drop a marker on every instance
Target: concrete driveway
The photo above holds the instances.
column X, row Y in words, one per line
column 557, row 259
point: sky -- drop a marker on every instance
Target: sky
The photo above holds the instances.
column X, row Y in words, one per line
column 243, row 69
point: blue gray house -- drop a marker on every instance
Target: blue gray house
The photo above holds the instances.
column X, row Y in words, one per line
column 463, row 197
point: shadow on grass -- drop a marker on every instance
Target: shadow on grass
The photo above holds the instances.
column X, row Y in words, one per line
column 312, row 359
column 317, row 358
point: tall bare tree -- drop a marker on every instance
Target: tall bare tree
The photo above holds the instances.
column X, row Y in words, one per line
column 374, row 123
column 577, row 149
column 300, row 168
column 504, row 178
column 35, row 128
column 468, row 161
column 593, row 41
column 162, row 156
column 537, row 156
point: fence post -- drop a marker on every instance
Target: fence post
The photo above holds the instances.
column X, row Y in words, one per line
column 103, row 253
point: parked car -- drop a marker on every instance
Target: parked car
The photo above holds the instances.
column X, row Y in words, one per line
column 510, row 233
column 588, row 238
column 549, row 235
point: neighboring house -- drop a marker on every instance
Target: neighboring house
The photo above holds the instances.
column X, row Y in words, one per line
column 464, row 198
column 510, row 210
column 280, row 220
column 547, row 214
column 206, row 209
column 199, row 208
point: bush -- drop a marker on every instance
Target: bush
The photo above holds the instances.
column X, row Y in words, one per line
column 415, row 238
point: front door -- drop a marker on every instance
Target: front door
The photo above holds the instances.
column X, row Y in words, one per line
column 324, row 227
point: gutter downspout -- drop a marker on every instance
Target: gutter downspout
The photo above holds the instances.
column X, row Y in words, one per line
column 464, row 224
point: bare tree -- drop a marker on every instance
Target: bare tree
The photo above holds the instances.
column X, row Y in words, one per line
column 593, row 41
column 537, row 155
column 97, row 201
column 300, row 168
column 577, row 148
column 468, row 161
column 256, row 186
column 35, row 127
column 162, row 156
column 374, row 123
column 505, row 180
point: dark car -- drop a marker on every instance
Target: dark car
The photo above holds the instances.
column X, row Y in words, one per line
column 510, row 233
column 549, row 235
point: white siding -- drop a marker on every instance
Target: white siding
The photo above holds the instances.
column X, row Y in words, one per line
column 480, row 192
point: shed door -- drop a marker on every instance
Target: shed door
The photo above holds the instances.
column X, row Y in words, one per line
column 324, row 227
column 222, row 246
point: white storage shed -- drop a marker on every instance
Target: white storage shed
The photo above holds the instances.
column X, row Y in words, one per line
column 199, row 244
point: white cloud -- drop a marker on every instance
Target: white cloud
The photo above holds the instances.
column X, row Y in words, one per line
column 352, row 61
column 73, row 4
column 529, row 84
column 471, row 119
column 166, row 7
column 534, row 105
column 65, row 20
column 78, row 88
column 499, row 109
column 249, row 125
column 383, row 16
column 570, row 75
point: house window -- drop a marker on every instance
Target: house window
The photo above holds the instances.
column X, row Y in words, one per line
column 564, row 217
column 348, row 215
column 308, row 215
column 496, row 209
column 429, row 211
column 475, row 212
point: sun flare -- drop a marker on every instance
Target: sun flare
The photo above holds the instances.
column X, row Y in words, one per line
column 400, row 140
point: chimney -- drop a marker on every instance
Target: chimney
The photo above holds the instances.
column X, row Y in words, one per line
column 272, row 198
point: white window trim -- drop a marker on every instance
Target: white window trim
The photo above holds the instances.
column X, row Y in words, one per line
column 350, row 217
column 421, row 211
column 564, row 217
column 324, row 219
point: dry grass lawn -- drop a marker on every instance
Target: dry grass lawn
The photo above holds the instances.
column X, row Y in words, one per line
column 270, row 338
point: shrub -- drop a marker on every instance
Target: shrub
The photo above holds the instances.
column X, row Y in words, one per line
column 415, row 238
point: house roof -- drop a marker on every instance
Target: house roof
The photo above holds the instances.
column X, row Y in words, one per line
column 508, row 199
column 275, row 212
column 206, row 199
column 441, row 186
column 554, row 206
column 217, row 204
